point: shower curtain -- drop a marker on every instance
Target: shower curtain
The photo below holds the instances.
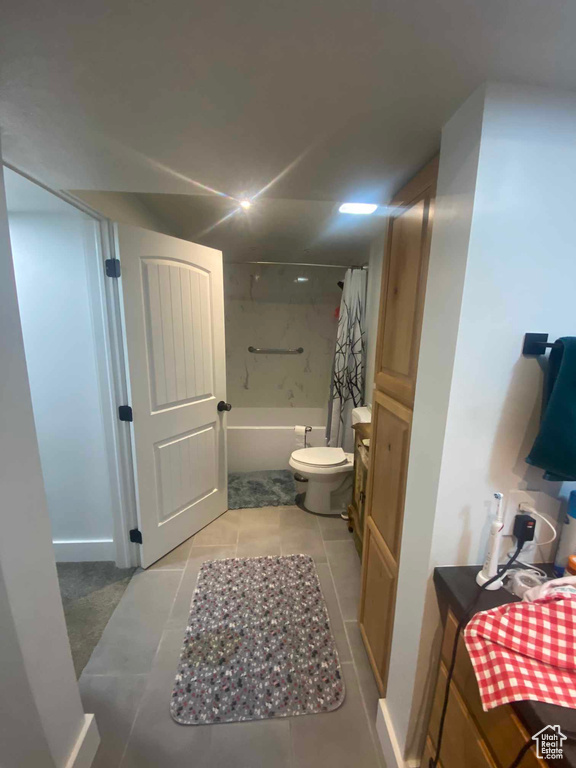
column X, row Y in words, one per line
column 347, row 385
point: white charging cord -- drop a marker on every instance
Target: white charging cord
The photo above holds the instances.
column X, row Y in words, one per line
column 521, row 580
column 532, row 567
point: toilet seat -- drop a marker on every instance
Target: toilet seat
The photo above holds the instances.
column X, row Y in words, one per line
column 320, row 457
column 324, row 471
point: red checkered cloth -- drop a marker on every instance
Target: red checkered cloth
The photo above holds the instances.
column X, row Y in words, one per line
column 525, row 651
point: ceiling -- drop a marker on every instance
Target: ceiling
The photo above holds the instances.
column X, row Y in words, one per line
column 146, row 96
column 315, row 100
column 272, row 230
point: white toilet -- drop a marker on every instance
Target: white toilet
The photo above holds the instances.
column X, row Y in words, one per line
column 326, row 469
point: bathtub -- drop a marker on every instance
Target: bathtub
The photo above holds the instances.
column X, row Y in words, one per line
column 264, row 438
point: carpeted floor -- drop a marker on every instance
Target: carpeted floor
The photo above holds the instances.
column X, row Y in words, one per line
column 268, row 488
column 258, row 644
column 90, row 593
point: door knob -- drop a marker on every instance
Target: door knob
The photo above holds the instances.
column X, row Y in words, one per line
column 222, row 406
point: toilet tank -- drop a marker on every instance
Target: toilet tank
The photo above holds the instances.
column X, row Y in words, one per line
column 361, row 415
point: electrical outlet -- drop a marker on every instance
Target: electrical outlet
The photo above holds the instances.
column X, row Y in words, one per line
column 546, row 505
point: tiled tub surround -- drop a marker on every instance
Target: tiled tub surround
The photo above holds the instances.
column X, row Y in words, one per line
column 128, row 681
column 264, row 438
column 280, row 306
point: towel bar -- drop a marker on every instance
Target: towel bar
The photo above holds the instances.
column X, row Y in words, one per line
column 258, row 351
column 536, row 344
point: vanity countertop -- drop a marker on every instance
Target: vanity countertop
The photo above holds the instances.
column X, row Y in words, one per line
column 363, row 428
column 456, row 587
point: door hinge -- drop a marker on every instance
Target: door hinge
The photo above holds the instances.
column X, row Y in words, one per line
column 135, row 536
column 113, row 268
column 125, row 413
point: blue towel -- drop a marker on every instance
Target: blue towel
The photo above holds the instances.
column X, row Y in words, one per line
column 555, row 447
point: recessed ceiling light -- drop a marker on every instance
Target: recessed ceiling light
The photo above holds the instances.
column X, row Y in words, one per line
column 362, row 209
column 301, row 280
column 245, row 204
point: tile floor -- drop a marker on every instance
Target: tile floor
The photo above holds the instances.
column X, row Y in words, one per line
column 128, row 680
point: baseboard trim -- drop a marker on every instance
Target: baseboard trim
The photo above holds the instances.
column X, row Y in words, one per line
column 80, row 551
column 86, row 745
column 391, row 750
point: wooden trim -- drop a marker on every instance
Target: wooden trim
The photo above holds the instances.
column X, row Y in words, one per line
column 382, row 305
column 404, row 414
column 370, row 529
column 400, row 410
column 425, row 179
column 421, row 186
column 423, row 284
column 383, row 547
column 370, row 478
column 363, row 574
column 394, row 385
column 380, row 683
column 404, row 387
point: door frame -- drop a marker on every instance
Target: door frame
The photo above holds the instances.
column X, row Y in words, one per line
column 112, row 377
column 114, row 374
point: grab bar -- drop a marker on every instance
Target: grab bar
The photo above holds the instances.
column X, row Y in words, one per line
column 258, row 351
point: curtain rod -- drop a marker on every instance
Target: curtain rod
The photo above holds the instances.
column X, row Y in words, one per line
column 301, row 264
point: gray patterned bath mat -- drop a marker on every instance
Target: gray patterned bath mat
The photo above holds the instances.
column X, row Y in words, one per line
column 258, row 644
column 265, row 488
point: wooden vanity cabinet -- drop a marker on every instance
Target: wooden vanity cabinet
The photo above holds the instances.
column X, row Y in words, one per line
column 356, row 510
column 472, row 737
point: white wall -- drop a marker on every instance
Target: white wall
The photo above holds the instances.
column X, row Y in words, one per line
column 20, row 718
column 375, row 267
column 51, row 252
column 42, row 718
column 502, row 264
column 520, row 275
column 453, row 216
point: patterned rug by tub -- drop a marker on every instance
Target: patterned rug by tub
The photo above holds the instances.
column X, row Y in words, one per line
column 258, row 644
column 266, row 488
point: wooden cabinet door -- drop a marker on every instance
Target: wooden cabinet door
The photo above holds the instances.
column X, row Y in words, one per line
column 391, row 422
column 404, row 286
column 401, row 312
column 377, row 607
column 389, row 445
column 428, row 754
column 500, row 728
column 462, row 743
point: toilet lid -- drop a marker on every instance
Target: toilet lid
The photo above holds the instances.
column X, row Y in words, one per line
column 320, row 457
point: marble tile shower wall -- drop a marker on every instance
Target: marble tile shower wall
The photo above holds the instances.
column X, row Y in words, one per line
column 280, row 306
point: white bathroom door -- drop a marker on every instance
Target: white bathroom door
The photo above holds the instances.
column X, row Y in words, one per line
column 174, row 325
